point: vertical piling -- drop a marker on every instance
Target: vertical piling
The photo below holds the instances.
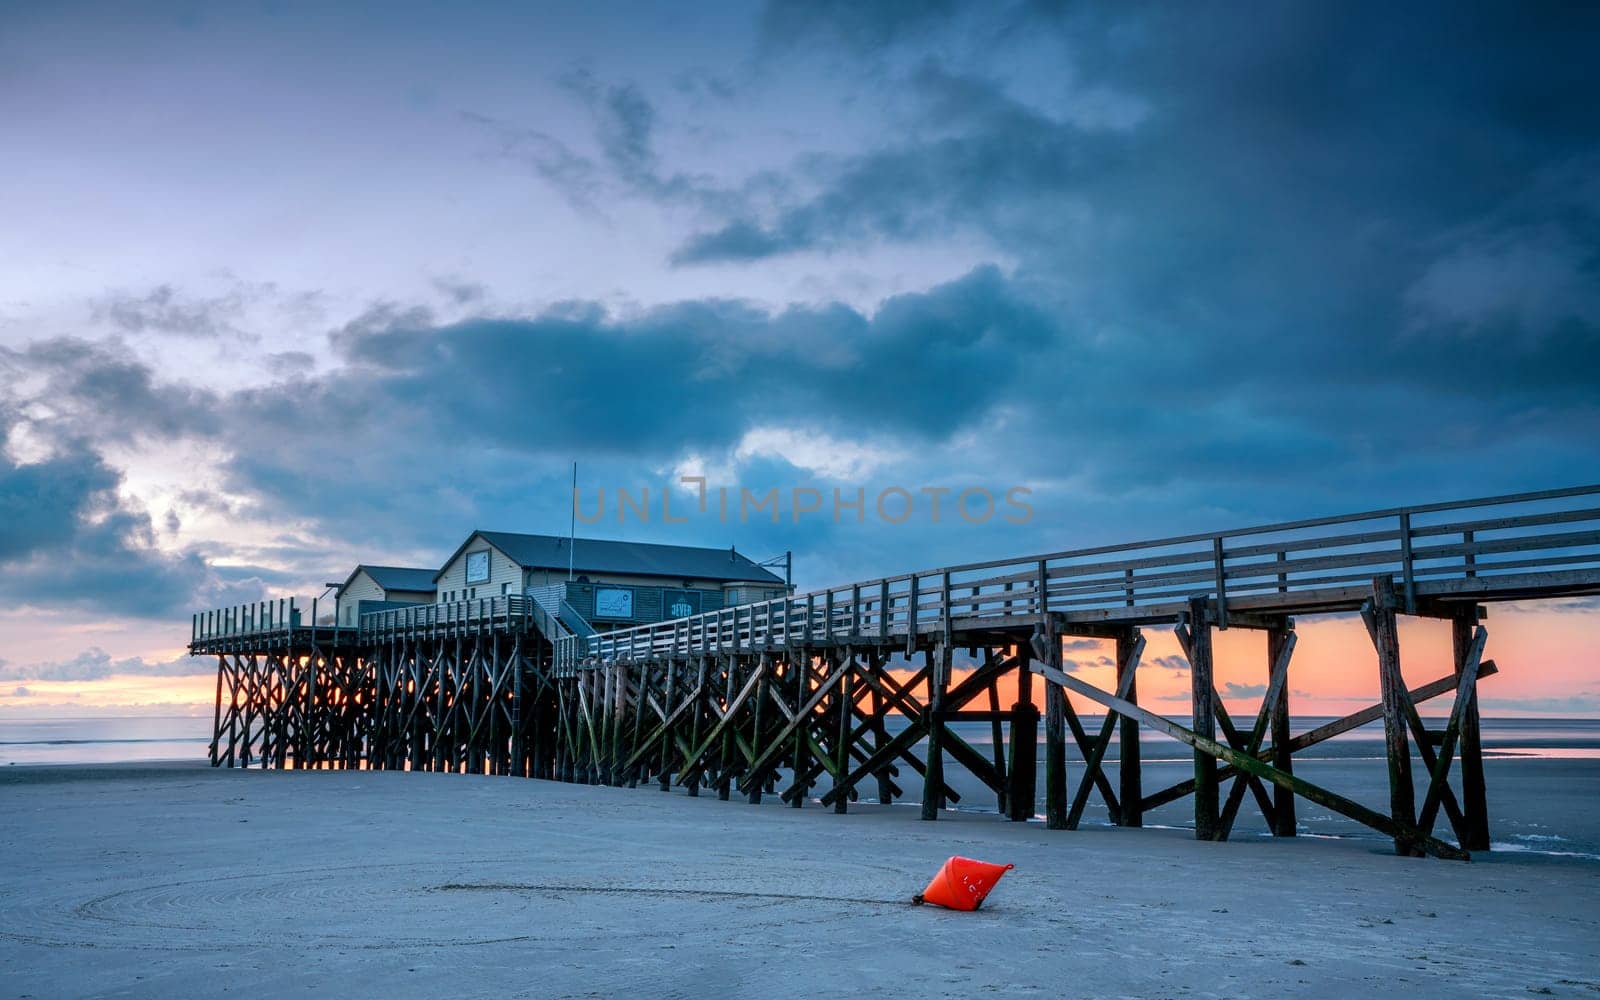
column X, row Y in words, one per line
column 1206, row 818
column 1129, row 767
column 1283, row 817
column 1022, row 797
column 1386, row 638
column 1474, row 797
column 933, row 777
column 1055, row 738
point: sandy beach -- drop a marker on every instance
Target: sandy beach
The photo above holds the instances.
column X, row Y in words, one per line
column 178, row 880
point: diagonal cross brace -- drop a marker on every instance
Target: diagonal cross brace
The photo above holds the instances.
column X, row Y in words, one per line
column 1095, row 760
column 1259, row 768
column 1264, row 718
column 1438, row 784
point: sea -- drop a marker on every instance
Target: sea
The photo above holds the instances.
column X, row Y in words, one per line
column 104, row 740
column 1543, row 774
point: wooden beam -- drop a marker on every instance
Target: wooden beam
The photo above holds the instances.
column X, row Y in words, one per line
column 1022, row 791
column 938, row 679
column 1474, row 797
column 1284, row 822
column 1206, row 819
column 1129, row 769
column 1055, row 737
column 1379, row 615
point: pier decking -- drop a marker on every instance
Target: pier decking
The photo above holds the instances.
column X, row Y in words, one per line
column 773, row 697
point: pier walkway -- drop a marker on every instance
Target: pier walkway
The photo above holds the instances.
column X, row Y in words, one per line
column 792, row 696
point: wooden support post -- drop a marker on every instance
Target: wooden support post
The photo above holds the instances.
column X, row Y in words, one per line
column 216, row 724
column 726, row 752
column 1129, row 767
column 843, row 702
column 620, row 725
column 1055, row 734
column 933, row 775
column 997, row 743
column 880, row 711
column 1380, row 619
column 1024, row 776
column 801, row 665
column 694, row 726
column 668, row 696
column 1206, row 818
column 1474, row 796
column 1283, row 817
column 640, row 690
column 763, row 692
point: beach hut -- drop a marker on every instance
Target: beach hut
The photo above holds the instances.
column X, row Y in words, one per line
column 378, row 588
column 604, row 582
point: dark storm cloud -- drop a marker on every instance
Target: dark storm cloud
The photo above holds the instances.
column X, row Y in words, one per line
column 99, row 390
column 1317, row 172
column 69, row 541
column 1257, row 264
column 428, row 421
column 1276, row 242
column 923, row 364
column 985, row 162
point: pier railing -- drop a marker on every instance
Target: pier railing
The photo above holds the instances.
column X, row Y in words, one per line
column 256, row 618
column 1523, row 545
column 510, row 611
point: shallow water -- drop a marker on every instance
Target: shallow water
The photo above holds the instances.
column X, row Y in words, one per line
column 1543, row 778
column 104, row 741
column 1543, row 774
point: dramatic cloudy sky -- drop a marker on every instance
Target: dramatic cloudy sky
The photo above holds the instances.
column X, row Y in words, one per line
column 286, row 286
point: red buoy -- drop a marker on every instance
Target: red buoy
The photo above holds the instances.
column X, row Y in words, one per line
column 962, row 884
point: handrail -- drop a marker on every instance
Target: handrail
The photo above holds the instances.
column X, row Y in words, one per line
column 1149, row 574
column 459, row 615
column 574, row 621
column 1536, row 540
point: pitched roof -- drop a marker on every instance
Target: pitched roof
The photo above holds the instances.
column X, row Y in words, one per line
column 599, row 555
column 400, row 577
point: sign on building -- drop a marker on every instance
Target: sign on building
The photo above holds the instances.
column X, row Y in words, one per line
column 613, row 602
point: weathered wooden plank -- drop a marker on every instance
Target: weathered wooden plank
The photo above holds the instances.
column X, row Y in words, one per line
column 1380, row 618
column 1204, row 714
column 1284, row 822
column 938, row 679
column 1474, row 796
column 1021, row 791
column 1129, row 771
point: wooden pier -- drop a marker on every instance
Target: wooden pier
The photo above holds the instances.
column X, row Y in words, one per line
column 833, row 696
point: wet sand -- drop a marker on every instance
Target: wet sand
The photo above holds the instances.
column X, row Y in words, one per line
column 162, row 881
